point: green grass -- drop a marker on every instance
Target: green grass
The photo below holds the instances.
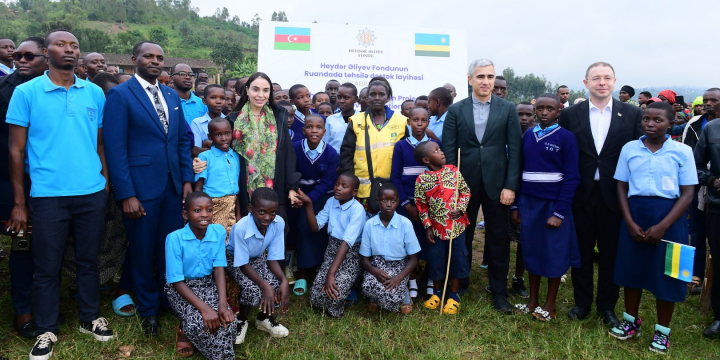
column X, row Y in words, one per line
column 477, row 332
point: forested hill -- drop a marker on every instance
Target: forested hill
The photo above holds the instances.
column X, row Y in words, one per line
column 114, row 26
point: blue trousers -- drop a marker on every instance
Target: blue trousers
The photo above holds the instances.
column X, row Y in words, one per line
column 146, row 252
column 53, row 219
column 21, row 264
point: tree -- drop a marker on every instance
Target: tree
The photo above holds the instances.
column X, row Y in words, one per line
column 122, row 43
column 247, row 68
column 282, row 17
column 274, row 16
column 92, row 40
column 256, row 22
column 227, row 53
column 159, row 35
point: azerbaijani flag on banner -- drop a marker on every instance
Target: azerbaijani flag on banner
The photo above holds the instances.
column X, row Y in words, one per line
column 292, row 38
column 679, row 261
column 432, row 45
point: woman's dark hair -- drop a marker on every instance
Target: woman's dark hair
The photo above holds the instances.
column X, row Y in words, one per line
column 669, row 112
column 244, row 96
column 382, row 81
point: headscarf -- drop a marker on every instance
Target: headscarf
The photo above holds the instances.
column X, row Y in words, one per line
column 628, row 89
column 698, row 101
column 669, row 95
column 685, row 114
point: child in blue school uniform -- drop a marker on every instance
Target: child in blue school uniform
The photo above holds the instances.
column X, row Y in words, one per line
column 656, row 179
column 195, row 269
column 388, row 253
column 543, row 208
column 220, row 177
column 317, row 162
column 301, row 99
column 405, row 170
column 340, row 268
column 255, row 248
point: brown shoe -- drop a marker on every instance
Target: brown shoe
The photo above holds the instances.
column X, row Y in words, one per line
column 406, row 309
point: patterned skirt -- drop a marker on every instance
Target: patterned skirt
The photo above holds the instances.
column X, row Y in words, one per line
column 112, row 249
column 345, row 277
column 224, row 212
column 375, row 290
column 217, row 346
column 250, row 292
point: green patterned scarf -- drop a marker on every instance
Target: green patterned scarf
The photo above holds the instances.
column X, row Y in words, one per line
column 257, row 142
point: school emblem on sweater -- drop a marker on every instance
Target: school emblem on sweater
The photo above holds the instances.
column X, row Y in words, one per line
column 366, row 37
column 91, row 113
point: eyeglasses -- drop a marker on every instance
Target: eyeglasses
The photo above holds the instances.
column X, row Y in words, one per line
column 184, row 74
column 28, row 56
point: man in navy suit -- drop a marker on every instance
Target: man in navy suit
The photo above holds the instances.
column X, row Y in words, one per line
column 150, row 170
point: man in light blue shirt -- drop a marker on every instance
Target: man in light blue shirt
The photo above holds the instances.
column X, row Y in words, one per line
column 57, row 119
column 192, row 105
column 438, row 102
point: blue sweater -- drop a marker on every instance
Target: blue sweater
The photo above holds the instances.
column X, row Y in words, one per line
column 550, row 169
column 296, row 135
column 405, row 170
column 318, row 176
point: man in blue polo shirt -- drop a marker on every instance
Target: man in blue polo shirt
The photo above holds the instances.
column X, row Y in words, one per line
column 58, row 117
column 192, row 105
column 439, row 101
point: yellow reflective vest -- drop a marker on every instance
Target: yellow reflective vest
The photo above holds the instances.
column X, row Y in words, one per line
column 382, row 144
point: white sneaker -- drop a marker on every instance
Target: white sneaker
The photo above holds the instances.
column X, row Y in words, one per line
column 43, row 348
column 241, row 331
column 272, row 327
column 289, row 275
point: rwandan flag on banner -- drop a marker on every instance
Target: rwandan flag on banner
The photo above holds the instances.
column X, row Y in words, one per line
column 679, row 261
column 292, row 38
column 432, row 45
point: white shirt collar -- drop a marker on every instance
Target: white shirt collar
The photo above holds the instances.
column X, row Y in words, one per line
column 607, row 107
column 144, row 82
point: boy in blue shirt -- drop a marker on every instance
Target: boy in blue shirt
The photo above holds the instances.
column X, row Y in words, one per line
column 389, row 254
column 216, row 103
column 220, row 177
column 336, row 125
column 301, row 99
column 255, row 247
column 195, row 268
column 50, row 117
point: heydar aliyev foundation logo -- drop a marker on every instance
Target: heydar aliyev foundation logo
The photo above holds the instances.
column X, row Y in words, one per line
column 366, row 37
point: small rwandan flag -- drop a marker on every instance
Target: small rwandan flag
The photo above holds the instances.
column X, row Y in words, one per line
column 292, row 38
column 679, row 261
column 432, row 45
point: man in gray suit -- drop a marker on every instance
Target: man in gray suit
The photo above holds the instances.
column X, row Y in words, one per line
column 487, row 130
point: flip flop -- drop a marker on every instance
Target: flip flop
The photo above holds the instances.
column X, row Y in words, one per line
column 300, row 284
column 122, row 301
column 541, row 315
column 180, row 346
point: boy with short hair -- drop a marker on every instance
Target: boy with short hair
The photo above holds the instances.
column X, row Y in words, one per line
column 332, row 88
column 325, row 109
column 216, row 102
column 319, row 98
column 421, row 101
column 230, row 102
column 406, row 106
column 439, row 100
column 336, row 125
column 444, row 187
column 301, row 99
column 7, row 48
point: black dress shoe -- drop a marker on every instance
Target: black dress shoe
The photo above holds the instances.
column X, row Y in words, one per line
column 609, row 318
column 578, row 313
column 151, row 325
column 501, row 304
column 27, row 330
column 713, row 330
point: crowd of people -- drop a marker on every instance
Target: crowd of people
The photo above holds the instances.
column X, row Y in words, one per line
column 203, row 198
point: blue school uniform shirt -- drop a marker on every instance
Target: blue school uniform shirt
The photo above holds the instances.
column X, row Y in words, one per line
column 188, row 258
column 436, row 125
column 335, row 128
column 222, row 172
column 317, row 168
column 199, row 127
column 345, row 222
column 193, row 108
column 394, row 242
column 5, row 71
column 405, row 169
column 246, row 241
column 62, row 135
column 656, row 174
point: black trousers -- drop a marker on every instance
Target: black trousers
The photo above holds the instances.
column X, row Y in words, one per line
column 594, row 221
column 497, row 242
column 83, row 217
column 713, row 232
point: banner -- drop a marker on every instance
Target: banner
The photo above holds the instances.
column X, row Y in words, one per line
column 414, row 60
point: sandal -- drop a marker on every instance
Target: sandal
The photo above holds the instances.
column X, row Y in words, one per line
column 433, row 303
column 695, row 287
column 541, row 315
column 406, row 309
column 300, row 287
column 181, row 347
column 121, row 302
column 451, row 307
column 522, row 309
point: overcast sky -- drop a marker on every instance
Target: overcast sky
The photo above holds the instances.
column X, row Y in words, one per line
column 650, row 43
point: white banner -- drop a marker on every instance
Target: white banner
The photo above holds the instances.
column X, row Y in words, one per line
column 414, row 60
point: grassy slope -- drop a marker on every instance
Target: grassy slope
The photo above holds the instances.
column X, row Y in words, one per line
column 476, row 333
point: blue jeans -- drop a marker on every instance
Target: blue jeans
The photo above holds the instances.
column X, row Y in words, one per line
column 54, row 218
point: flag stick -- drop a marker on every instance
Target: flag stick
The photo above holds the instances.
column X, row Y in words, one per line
column 452, row 230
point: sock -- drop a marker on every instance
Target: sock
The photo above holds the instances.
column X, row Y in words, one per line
column 438, row 293
column 628, row 317
column 662, row 329
column 454, row 296
column 412, row 284
column 430, row 285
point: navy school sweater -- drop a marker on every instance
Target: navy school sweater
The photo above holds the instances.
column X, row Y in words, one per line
column 405, row 170
column 319, row 175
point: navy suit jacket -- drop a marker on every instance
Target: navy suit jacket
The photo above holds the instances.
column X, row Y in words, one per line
column 139, row 153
